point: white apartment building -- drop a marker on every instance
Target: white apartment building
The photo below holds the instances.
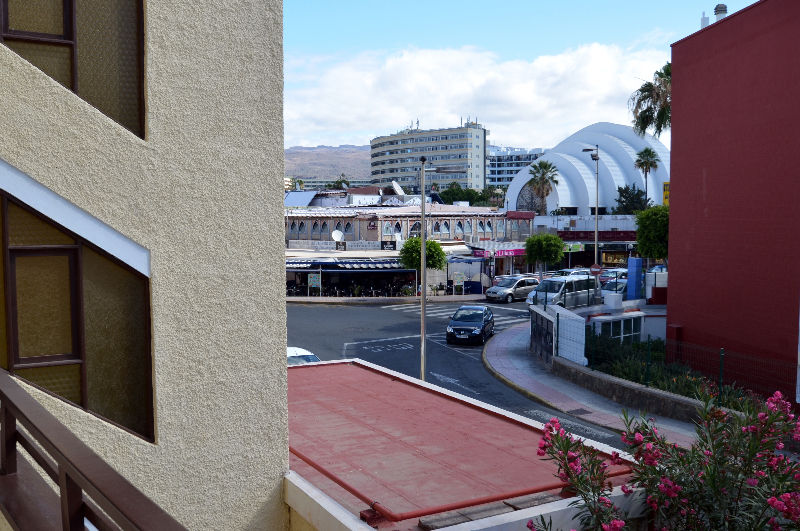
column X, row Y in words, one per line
column 459, row 153
column 504, row 163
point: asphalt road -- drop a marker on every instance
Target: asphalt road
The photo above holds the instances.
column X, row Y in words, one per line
column 389, row 336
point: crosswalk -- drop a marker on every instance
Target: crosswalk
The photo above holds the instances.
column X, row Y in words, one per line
column 444, row 311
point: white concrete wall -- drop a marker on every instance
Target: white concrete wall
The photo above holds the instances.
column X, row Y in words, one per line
column 571, row 334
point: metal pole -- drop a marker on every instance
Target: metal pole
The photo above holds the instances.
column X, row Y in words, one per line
column 422, row 266
column 596, row 197
column 647, row 367
column 558, row 330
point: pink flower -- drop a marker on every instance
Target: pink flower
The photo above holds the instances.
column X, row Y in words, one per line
column 638, row 437
column 626, row 489
column 751, row 481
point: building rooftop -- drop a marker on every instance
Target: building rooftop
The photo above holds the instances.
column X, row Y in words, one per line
column 408, row 448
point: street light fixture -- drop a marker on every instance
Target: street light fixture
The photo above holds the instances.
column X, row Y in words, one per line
column 596, row 159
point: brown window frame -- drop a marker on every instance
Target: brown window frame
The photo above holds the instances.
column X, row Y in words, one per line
column 69, row 39
column 78, row 356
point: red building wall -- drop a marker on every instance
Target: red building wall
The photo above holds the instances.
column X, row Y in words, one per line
column 734, row 257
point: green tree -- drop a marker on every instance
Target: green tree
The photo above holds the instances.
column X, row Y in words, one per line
column 652, row 232
column 630, row 200
column 652, row 102
column 340, row 183
column 434, row 255
column 452, row 193
column 646, row 160
column 544, row 249
column 543, row 178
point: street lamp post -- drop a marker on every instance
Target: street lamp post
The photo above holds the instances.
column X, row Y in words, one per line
column 596, row 159
column 423, row 261
column 422, row 270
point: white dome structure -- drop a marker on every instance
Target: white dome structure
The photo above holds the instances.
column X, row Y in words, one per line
column 618, row 145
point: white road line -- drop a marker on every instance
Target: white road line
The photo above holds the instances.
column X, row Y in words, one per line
column 507, row 320
column 452, row 381
column 506, row 308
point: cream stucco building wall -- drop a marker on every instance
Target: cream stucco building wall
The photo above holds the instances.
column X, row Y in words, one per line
column 200, row 192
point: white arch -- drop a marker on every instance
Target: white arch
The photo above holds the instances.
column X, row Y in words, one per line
column 618, row 145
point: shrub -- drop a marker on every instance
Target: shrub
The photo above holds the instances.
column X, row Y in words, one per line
column 629, row 361
column 735, row 476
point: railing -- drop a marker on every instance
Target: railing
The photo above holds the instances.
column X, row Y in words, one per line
column 759, row 373
column 88, row 487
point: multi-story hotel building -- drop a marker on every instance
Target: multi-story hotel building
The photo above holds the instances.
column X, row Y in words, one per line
column 506, row 162
column 458, row 151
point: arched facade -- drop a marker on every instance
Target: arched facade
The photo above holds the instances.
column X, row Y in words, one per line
column 576, row 169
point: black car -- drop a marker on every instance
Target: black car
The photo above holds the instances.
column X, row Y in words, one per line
column 471, row 323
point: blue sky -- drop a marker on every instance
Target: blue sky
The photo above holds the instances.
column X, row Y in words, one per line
column 532, row 71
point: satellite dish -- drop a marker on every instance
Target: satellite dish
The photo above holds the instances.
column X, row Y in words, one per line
column 337, row 235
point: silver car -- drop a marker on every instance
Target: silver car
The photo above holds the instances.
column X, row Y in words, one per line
column 568, row 291
column 510, row 289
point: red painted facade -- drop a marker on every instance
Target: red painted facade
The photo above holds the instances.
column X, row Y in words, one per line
column 735, row 190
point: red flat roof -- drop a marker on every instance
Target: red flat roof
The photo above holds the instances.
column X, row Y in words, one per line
column 408, row 447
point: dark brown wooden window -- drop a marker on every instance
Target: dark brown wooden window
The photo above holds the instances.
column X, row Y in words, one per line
column 74, row 321
column 92, row 47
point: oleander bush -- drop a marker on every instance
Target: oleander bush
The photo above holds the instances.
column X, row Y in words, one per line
column 736, row 476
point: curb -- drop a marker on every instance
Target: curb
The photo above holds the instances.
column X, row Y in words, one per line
column 510, row 383
column 373, row 301
column 531, row 395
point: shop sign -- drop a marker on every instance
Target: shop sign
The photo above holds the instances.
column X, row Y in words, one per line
column 458, row 278
column 509, row 252
column 341, row 246
column 314, row 280
column 665, row 201
column 388, row 246
column 372, row 225
column 573, row 247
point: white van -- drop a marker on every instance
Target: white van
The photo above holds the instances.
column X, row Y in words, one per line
column 568, row 292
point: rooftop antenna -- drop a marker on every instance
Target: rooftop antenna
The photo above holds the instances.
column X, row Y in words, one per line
column 417, row 123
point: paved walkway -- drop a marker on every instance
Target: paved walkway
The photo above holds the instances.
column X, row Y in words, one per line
column 507, row 356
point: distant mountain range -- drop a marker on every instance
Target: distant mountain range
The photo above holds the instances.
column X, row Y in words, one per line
column 327, row 161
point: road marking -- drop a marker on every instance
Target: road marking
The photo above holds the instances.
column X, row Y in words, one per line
column 452, row 381
column 506, row 308
column 508, row 320
column 585, row 429
column 345, row 345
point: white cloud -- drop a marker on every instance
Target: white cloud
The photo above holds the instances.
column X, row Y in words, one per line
column 523, row 103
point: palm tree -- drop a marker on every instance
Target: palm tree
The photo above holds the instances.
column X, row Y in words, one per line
column 651, row 103
column 646, row 160
column 542, row 181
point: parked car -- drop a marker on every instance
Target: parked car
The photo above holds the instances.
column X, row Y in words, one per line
column 573, row 271
column 300, row 356
column 509, row 289
column 616, row 286
column 471, row 324
column 660, row 268
column 613, row 273
column 567, row 291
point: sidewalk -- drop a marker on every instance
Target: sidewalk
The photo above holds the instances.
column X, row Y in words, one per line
column 465, row 299
column 507, row 356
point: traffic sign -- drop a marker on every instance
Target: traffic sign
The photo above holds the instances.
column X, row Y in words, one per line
column 595, row 269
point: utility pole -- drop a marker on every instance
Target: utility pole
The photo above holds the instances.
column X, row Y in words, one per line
column 422, row 268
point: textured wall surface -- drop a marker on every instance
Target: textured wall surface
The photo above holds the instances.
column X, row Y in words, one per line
column 734, row 192
column 201, row 193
